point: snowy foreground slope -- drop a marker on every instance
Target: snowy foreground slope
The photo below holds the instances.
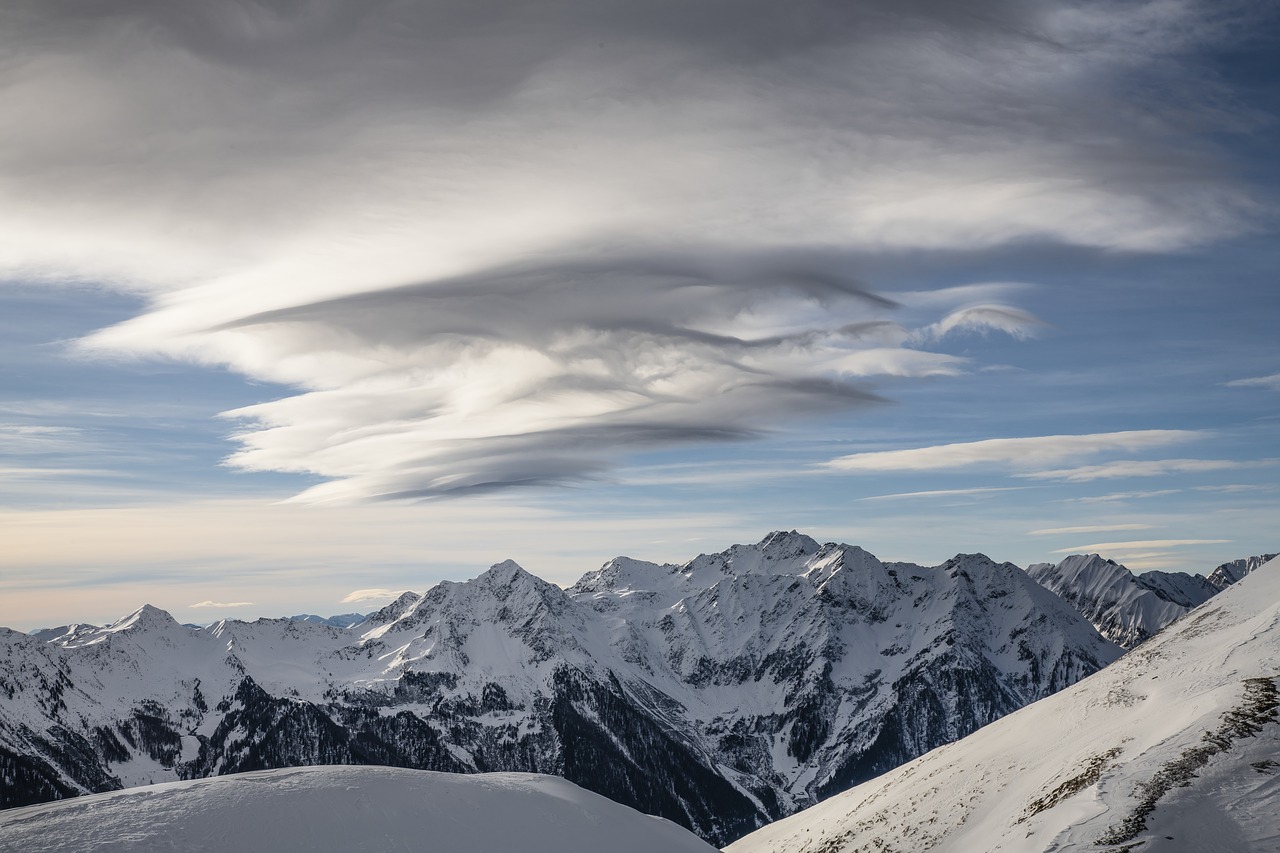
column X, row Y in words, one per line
column 346, row 810
column 722, row 693
column 1176, row 747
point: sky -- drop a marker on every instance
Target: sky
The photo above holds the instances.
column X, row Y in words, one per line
column 307, row 302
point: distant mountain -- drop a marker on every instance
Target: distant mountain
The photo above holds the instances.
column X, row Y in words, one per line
column 722, row 693
column 1171, row 749
column 342, row 620
column 1228, row 573
column 1129, row 608
column 346, row 810
column 1125, row 608
column 48, row 635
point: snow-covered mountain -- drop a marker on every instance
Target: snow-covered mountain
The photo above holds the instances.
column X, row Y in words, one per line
column 1127, row 608
column 346, row 810
column 1172, row 748
column 342, row 620
column 722, row 693
column 1228, row 573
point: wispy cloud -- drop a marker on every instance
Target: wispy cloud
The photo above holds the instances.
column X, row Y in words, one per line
column 942, row 493
column 1009, row 452
column 1117, row 497
column 34, row 473
column 958, row 296
column 1144, row 468
column 1137, row 546
column 1088, row 528
column 363, row 595
column 218, row 604
column 1271, row 382
column 32, row 439
column 1235, row 488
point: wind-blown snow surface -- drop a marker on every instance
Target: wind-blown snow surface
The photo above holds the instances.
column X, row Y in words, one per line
column 722, row 693
column 346, row 810
column 1172, row 748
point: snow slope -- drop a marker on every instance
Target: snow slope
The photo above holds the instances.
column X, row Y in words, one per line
column 345, row 810
column 1173, row 748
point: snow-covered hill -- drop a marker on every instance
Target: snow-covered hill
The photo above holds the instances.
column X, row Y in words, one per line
column 722, row 693
column 346, row 810
column 1176, row 747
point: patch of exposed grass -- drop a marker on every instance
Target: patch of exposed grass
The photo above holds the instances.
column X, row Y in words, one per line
column 1258, row 707
column 1093, row 769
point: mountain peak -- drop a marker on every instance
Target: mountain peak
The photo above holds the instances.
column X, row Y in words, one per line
column 781, row 544
column 145, row 617
column 506, row 573
column 962, row 561
column 393, row 611
column 507, row 580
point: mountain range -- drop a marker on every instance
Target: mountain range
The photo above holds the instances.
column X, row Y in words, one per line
column 723, row 693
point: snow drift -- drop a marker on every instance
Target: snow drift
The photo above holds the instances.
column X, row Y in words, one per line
column 346, row 810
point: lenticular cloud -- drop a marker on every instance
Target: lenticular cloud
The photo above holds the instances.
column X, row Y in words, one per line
column 545, row 374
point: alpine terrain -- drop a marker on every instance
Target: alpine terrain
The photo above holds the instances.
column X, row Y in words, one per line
column 1176, row 747
column 722, row 693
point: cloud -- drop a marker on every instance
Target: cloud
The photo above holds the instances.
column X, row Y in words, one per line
column 1234, row 488
column 956, row 297
column 1088, row 528
column 1009, row 452
column 362, row 595
column 941, row 493
column 31, row 439
column 1271, row 382
column 1141, row 545
column 885, row 361
column 1146, row 468
column 1116, row 497
column 221, row 604
column 509, row 244
column 984, row 318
